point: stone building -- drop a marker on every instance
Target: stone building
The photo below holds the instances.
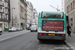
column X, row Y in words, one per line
column 70, row 10
column 18, row 13
column 29, row 13
column 35, row 17
column 4, row 14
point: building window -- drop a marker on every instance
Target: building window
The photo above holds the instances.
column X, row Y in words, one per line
column 33, row 15
column 3, row 16
column 0, row 0
column 67, row 9
column 71, row 6
column 21, row 9
column 0, row 8
column 7, row 17
column 74, row 4
column 71, row 21
column 3, row 9
column 0, row 16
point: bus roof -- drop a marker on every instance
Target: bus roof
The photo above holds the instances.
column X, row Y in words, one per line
column 52, row 11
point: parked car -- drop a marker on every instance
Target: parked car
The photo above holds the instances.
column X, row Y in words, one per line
column 28, row 28
column 0, row 31
column 34, row 28
column 12, row 29
column 18, row 29
column 21, row 29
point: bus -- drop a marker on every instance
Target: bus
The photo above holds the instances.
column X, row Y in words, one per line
column 51, row 26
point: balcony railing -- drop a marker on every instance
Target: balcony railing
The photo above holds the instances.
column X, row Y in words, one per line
column 1, row 4
column 6, row 0
column 6, row 6
column 6, row 12
column 1, row 10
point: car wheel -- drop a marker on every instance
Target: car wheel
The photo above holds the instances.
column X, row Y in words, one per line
column 36, row 30
column 31, row 30
column 0, row 33
column 8, row 31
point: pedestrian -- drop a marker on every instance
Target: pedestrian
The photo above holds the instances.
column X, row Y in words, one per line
column 69, row 30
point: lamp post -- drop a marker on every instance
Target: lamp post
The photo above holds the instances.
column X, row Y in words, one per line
column 12, row 16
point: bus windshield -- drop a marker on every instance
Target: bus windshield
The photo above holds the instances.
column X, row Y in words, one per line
column 51, row 15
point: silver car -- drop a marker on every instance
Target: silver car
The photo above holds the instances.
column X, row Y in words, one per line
column 0, row 31
column 12, row 29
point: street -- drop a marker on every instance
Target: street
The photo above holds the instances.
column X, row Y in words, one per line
column 29, row 41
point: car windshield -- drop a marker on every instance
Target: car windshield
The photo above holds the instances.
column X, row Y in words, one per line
column 10, row 28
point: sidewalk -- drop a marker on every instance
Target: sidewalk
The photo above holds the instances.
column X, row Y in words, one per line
column 71, row 40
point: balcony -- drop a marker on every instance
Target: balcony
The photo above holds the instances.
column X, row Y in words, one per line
column 1, row 10
column 6, row 12
column 6, row 6
column 1, row 4
column 6, row 0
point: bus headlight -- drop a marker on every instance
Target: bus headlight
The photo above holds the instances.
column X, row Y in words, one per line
column 39, row 29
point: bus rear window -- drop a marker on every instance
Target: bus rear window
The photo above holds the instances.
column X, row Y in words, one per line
column 51, row 15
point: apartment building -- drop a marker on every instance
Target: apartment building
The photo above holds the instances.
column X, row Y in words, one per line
column 70, row 10
column 35, row 17
column 4, row 14
column 29, row 13
column 18, row 13
column 31, row 8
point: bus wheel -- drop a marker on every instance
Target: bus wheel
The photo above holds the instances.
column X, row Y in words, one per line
column 40, row 40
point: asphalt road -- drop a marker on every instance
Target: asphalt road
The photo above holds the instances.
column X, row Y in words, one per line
column 28, row 41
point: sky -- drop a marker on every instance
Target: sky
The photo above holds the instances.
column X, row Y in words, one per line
column 44, row 5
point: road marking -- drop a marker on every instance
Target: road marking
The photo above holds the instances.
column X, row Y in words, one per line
column 71, row 46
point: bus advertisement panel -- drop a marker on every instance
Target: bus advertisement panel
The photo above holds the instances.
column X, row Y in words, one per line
column 53, row 25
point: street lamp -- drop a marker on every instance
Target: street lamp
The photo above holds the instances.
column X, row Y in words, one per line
column 12, row 16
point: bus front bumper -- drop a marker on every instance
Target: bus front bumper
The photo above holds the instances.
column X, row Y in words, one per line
column 47, row 37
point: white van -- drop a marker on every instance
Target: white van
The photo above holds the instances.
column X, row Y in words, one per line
column 33, row 28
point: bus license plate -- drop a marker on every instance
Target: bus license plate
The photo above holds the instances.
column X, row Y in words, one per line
column 52, row 34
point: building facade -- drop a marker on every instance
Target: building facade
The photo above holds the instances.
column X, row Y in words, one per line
column 70, row 10
column 31, row 8
column 18, row 13
column 4, row 14
column 35, row 17
column 29, row 13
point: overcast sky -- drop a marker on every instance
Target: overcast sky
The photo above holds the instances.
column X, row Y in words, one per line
column 44, row 5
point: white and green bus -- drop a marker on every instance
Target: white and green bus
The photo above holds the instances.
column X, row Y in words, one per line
column 52, row 26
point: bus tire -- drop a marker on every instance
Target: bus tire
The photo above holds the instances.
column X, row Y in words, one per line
column 40, row 40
